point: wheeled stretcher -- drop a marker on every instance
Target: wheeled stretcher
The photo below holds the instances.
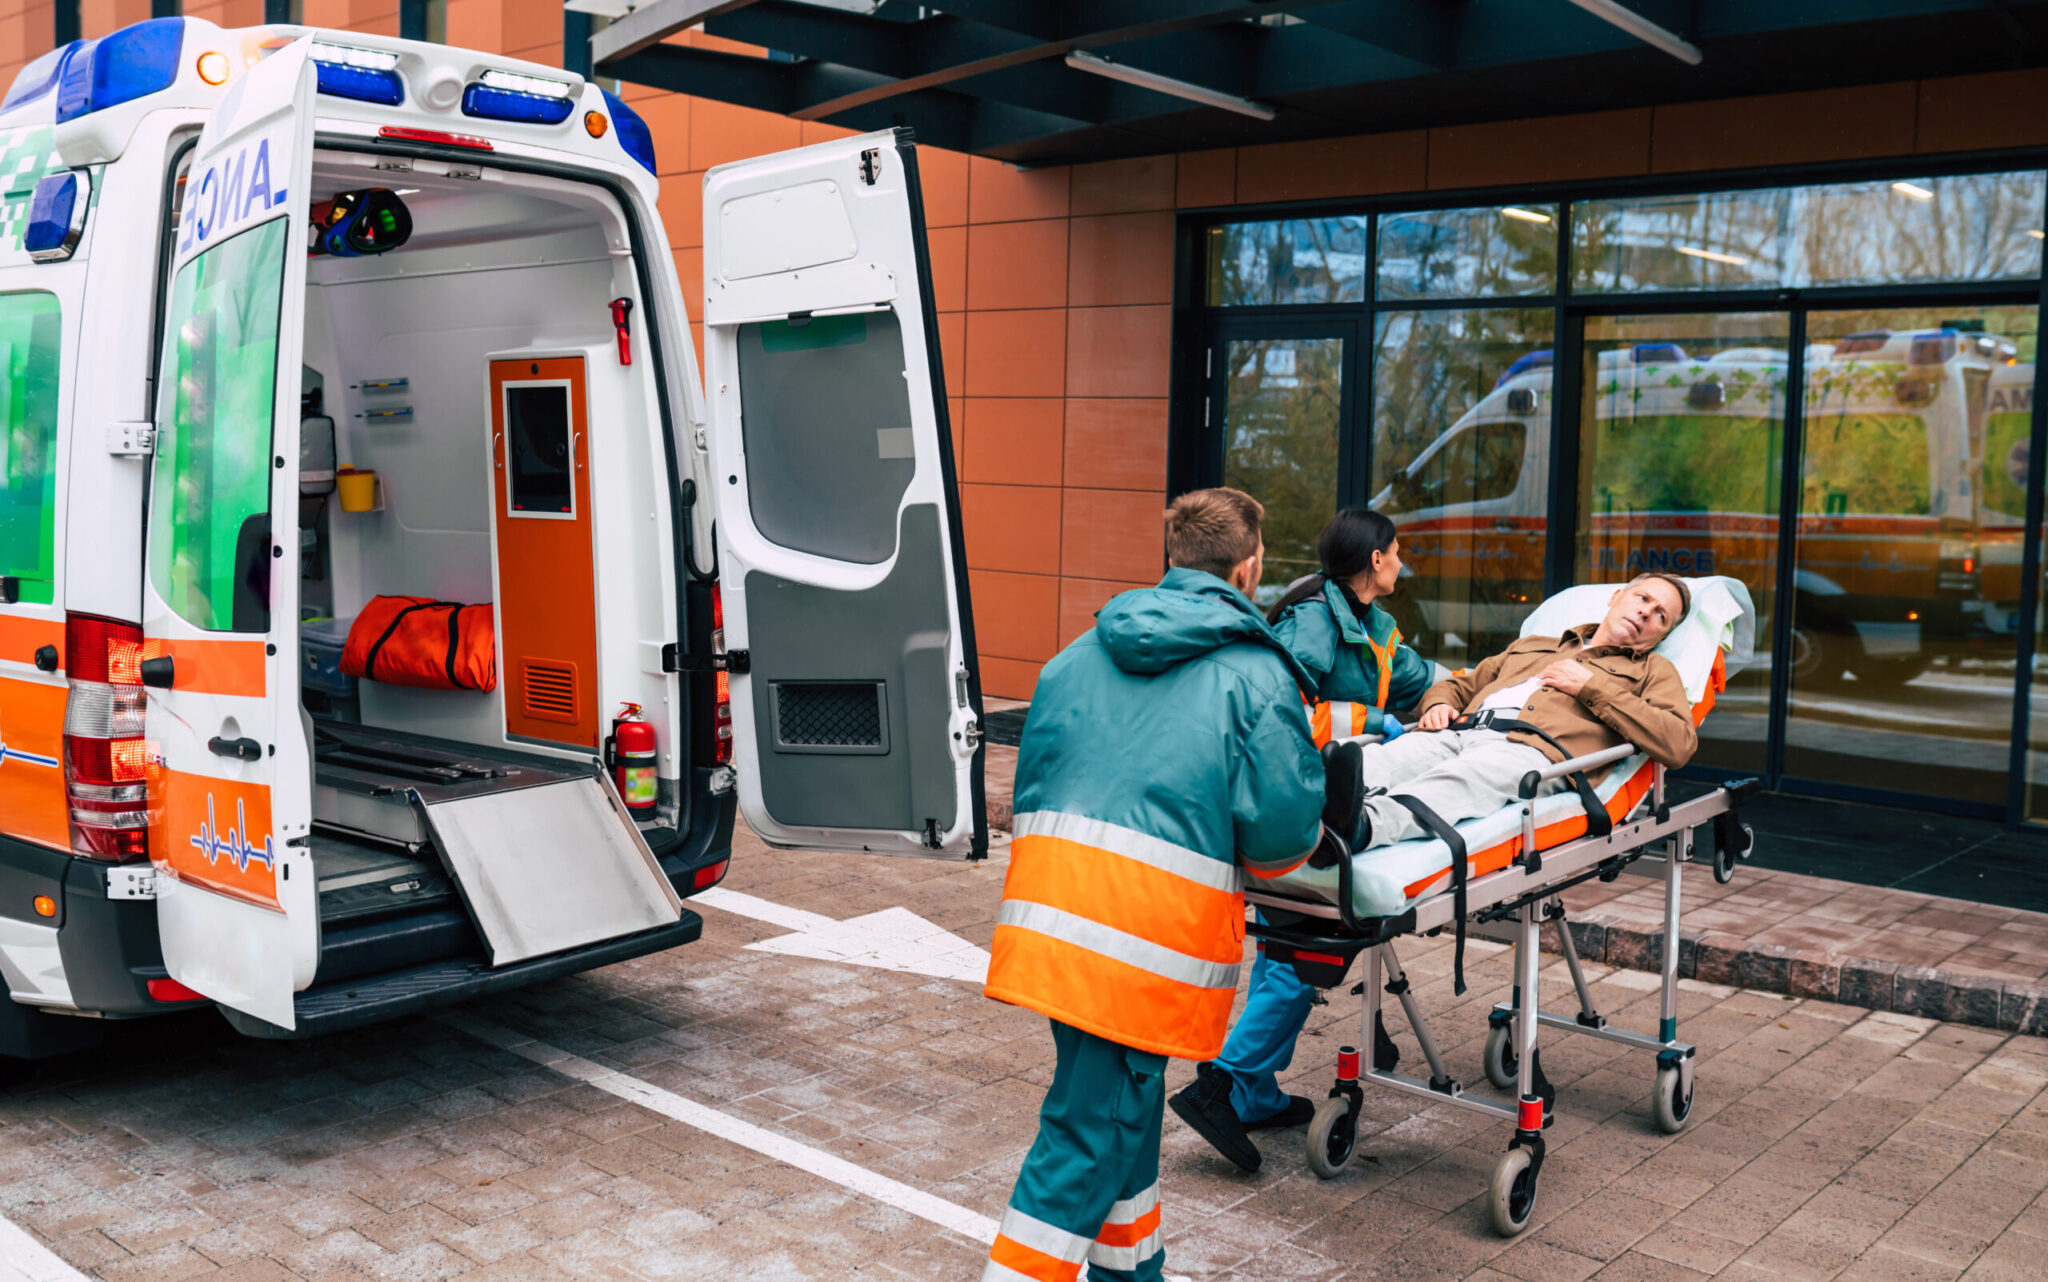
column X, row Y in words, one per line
column 1502, row 875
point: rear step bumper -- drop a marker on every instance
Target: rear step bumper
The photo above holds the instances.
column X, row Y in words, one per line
column 352, row 1003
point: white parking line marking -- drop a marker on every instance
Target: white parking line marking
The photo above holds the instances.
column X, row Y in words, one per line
column 23, row 1259
column 837, row 1170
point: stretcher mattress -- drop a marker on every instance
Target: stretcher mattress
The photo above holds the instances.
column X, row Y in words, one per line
column 1715, row 641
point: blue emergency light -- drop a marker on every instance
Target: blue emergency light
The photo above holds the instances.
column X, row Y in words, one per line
column 132, row 63
column 56, row 218
column 37, row 78
column 510, row 104
column 365, row 75
column 633, row 132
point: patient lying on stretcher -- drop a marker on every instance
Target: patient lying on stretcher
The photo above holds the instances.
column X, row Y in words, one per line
column 1542, row 700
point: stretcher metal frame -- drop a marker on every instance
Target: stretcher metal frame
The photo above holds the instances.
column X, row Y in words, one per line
column 1321, row 940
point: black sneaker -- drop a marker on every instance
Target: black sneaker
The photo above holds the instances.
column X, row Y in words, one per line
column 1344, row 793
column 1204, row 1104
column 1300, row 1111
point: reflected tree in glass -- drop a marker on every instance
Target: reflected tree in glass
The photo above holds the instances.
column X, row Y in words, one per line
column 1282, row 401
column 1467, row 253
column 1293, row 261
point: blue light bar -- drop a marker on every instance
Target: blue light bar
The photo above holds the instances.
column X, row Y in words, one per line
column 54, row 219
column 1525, row 363
column 364, row 84
column 632, row 131
column 132, row 63
column 38, row 77
column 1658, row 352
column 509, row 104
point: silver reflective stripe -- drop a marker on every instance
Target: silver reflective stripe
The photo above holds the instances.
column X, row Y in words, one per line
column 1125, row 1258
column 1131, row 844
column 1116, row 945
column 1132, row 1208
column 1047, row 1238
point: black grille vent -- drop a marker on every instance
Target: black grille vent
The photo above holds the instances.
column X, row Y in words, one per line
column 829, row 714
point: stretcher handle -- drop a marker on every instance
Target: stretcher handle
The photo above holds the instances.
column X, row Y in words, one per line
column 1535, row 779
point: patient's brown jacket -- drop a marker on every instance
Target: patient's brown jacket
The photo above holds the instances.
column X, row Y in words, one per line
column 1633, row 696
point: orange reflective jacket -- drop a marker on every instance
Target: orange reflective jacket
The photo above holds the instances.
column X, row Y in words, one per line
column 420, row 642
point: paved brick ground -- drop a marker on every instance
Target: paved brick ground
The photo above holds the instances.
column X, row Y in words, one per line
column 1829, row 1140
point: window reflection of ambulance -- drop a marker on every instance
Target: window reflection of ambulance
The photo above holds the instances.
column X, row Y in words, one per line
column 197, row 803
column 1684, row 457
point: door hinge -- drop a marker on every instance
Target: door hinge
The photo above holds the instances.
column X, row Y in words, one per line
column 131, row 440
column 971, row 736
column 931, row 835
column 131, row 881
column 674, row 660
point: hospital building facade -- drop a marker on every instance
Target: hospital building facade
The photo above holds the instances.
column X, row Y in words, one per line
column 1563, row 304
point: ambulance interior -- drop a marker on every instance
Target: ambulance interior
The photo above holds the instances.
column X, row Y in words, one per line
column 476, row 371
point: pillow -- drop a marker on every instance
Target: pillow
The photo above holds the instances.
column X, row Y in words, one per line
column 1722, row 617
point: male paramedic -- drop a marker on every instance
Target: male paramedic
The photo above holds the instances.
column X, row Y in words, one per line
column 1542, row 700
column 1166, row 753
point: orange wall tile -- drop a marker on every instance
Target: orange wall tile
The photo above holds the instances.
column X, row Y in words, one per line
column 98, row 17
column 1116, row 444
column 1016, row 353
column 1021, row 264
column 1119, row 351
column 1596, row 145
column 1122, row 258
column 1008, row 678
column 1016, row 616
column 948, row 249
column 1014, row 441
column 1113, row 534
column 1361, row 166
column 1011, row 527
column 690, row 271
column 1206, row 178
column 1081, row 598
column 1123, row 186
column 720, row 132
column 943, row 177
column 997, row 192
column 1965, row 113
column 953, row 351
column 682, row 210
column 1784, row 129
column 668, row 120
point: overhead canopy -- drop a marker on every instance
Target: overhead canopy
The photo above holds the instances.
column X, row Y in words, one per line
column 1052, row 81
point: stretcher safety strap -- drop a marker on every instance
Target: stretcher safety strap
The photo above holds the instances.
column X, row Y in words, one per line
column 1451, row 838
column 1598, row 822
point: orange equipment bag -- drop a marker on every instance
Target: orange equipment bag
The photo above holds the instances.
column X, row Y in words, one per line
column 417, row 641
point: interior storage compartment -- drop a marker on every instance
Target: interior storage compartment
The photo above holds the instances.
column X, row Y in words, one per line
column 517, row 460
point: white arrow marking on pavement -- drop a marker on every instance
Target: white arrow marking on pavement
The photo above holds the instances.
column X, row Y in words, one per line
column 892, row 939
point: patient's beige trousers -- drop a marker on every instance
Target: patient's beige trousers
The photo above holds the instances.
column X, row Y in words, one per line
column 1460, row 774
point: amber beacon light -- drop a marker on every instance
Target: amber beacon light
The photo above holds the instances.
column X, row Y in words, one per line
column 594, row 123
column 213, row 67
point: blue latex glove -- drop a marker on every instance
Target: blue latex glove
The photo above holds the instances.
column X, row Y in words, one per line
column 1391, row 729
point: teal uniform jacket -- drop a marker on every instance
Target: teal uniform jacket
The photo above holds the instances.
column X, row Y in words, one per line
column 1354, row 663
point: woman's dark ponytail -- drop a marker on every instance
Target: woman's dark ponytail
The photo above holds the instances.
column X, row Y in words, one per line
column 1344, row 549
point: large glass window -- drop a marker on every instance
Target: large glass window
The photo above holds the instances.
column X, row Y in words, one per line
column 1468, row 253
column 1460, row 461
column 209, row 516
column 1296, row 260
column 1903, row 641
column 1959, row 228
column 1681, row 447
column 30, row 346
column 1282, row 407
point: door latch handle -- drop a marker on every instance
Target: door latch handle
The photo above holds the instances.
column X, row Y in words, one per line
column 47, row 658
column 240, row 749
column 157, row 673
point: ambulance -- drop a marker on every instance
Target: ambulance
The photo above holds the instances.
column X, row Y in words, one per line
column 320, row 346
column 1894, row 528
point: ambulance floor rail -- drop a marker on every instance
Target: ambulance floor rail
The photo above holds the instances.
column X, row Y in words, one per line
column 1513, row 904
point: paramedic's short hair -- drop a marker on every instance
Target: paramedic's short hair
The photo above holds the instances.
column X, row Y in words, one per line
column 1212, row 530
column 1677, row 585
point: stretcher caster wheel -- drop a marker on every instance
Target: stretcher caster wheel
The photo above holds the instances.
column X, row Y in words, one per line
column 1332, row 1137
column 1511, row 1198
column 1673, row 1100
column 1501, row 1061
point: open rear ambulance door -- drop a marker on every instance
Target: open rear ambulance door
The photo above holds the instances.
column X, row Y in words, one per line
column 230, row 793
column 856, row 703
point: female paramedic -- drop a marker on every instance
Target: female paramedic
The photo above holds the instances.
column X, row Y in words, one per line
column 1354, row 651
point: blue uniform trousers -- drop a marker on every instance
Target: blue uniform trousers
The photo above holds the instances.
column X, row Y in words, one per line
column 1276, row 1005
column 1089, row 1190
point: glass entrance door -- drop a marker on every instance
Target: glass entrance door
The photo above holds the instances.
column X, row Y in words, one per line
column 1903, row 643
column 1283, row 398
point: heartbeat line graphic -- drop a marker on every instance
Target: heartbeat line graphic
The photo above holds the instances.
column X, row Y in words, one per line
column 235, row 845
column 8, row 754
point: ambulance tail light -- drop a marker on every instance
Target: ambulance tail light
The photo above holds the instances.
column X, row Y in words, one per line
column 722, row 713
column 437, row 136
column 632, row 132
column 132, row 63
column 106, row 758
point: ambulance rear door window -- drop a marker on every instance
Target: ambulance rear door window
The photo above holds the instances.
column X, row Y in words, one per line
column 30, row 328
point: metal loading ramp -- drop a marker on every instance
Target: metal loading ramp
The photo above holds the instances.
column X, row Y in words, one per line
column 541, row 851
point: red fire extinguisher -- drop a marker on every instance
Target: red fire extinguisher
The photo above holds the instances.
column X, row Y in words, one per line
column 632, row 758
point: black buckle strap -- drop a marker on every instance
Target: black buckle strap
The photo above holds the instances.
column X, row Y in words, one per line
column 1460, row 871
column 1598, row 822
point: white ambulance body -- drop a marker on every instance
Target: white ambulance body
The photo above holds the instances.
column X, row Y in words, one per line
column 195, row 805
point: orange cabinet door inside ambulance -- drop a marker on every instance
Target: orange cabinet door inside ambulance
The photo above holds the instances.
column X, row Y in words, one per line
column 547, row 591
